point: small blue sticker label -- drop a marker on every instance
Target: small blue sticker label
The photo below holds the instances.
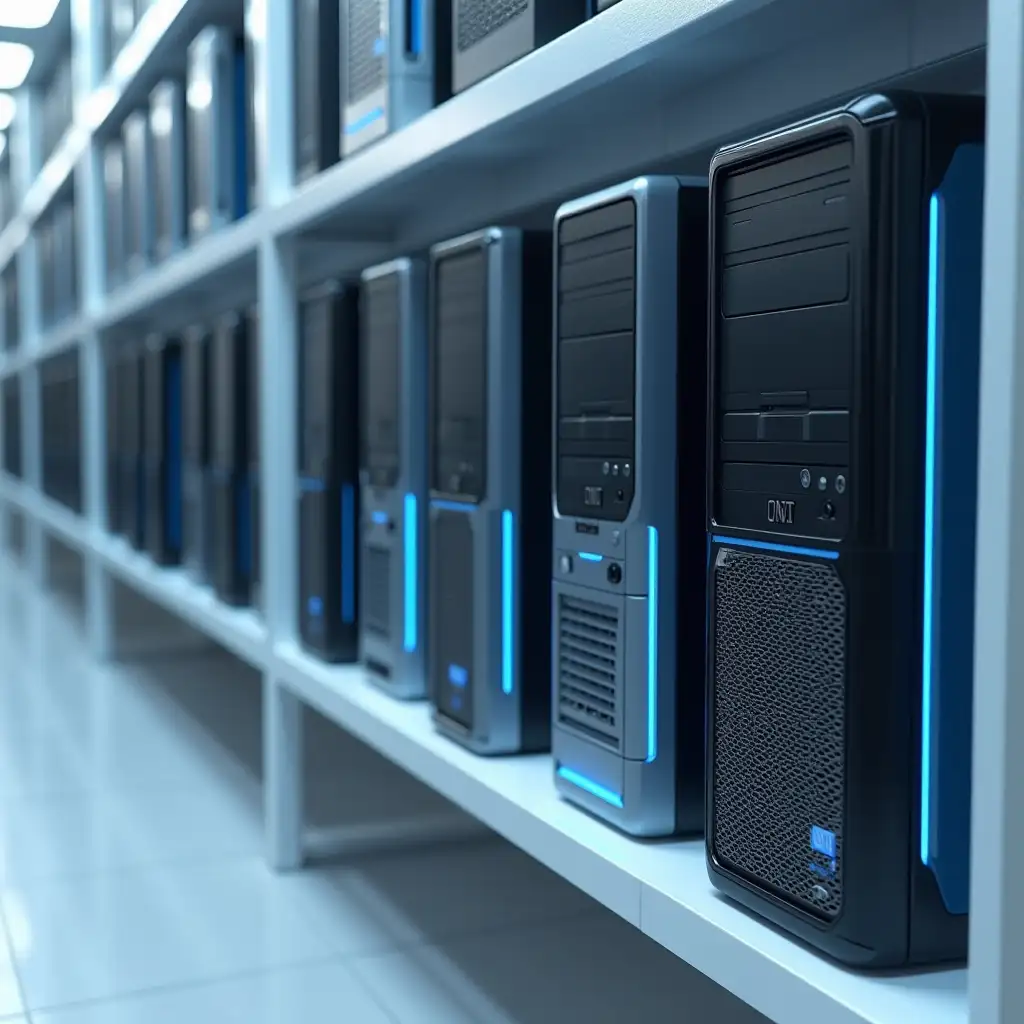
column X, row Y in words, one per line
column 823, row 841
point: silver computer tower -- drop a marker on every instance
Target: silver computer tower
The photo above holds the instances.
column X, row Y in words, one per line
column 388, row 67
column 170, row 170
column 628, row 609
column 138, row 192
column 393, row 475
column 213, row 155
column 113, row 202
column 490, row 503
column 488, row 35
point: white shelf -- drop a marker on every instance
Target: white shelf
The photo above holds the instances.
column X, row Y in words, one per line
column 661, row 887
column 239, row 630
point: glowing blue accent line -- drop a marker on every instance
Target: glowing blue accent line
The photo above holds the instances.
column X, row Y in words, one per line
column 457, row 675
column 348, row 553
column 652, row 643
column 416, row 28
column 380, row 518
column 931, row 386
column 589, row 786
column 507, row 585
column 589, row 556
column 365, row 121
column 411, row 572
column 310, row 485
column 452, row 506
column 783, row 549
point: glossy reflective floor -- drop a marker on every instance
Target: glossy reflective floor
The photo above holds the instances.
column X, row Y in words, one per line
column 133, row 888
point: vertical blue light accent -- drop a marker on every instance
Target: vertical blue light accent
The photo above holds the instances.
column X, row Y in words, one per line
column 507, row 597
column 589, row 786
column 416, row 27
column 411, row 571
column 652, row 643
column 348, row 553
column 931, row 423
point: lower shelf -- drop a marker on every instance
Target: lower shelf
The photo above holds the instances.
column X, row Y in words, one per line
column 660, row 887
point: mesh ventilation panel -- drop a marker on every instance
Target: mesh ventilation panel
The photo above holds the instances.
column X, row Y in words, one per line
column 477, row 19
column 778, row 726
column 366, row 48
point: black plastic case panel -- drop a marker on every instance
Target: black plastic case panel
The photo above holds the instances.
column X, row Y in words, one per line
column 380, row 329
column 459, row 442
column 451, row 606
column 596, row 355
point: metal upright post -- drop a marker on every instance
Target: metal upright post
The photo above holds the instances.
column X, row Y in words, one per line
column 996, row 981
column 271, row 27
column 87, row 57
column 29, row 154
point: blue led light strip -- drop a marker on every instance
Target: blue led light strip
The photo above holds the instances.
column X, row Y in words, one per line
column 782, row 549
column 930, row 430
column 507, row 587
column 365, row 121
column 589, row 556
column 452, row 506
column 411, row 572
column 589, row 786
column 652, row 644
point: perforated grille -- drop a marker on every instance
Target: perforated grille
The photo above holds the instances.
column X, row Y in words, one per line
column 479, row 18
column 377, row 585
column 588, row 648
column 777, row 731
column 366, row 47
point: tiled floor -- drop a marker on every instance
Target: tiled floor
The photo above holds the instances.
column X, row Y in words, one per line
column 133, row 890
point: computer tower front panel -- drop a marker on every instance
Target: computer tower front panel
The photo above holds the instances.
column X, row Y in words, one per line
column 114, row 213
column 328, row 468
column 317, row 86
column 843, row 444
column 393, row 475
column 230, row 499
column 196, row 453
column 163, row 450
column 487, row 36
column 253, row 447
column 167, row 118
column 487, row 662
column 218, row 190
column 138, row 192
column 130, row 415
column 628, row 608
column 391, row 66
column 112, row 440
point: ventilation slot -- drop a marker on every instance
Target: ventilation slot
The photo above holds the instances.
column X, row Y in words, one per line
column 366, row 46
column 588, row 655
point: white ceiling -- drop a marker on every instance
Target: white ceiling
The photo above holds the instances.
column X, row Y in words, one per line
column 49, row 42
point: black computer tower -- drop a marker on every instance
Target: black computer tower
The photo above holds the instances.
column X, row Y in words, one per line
column 162, row 434
column 489, row 566
column 328, row 465
column 115, row 237
column 113, row 442
column 230, row 501
column 317, row 86
column 131, row 478
column 138, row 192
column 253, row 448
column 196, row 482
column 846, row 295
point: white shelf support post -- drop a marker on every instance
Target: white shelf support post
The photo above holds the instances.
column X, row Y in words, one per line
column 87, row 50
column 996, row 979
column 270, row 26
